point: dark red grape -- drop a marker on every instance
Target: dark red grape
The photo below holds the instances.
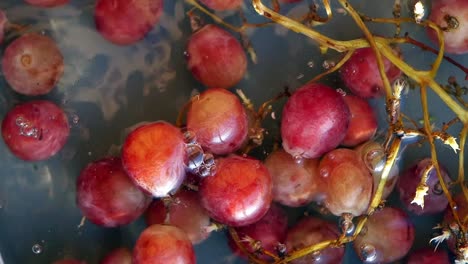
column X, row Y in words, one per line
column 270, row 231
column 69, row 261
column 387, row 236
column 452, row 16
column 32, row 64
column 3, row 25
column 218, row 119
column 348, row 183
column 35, row 130
column 435, row 200
column 222, row 5
column 361, row 74
column 125, row 22
column 163, row 244
column 314, row 121
column 154, row 156
column 239, row 193
column 309, row 231
column 428, row 256
column 184, row 211
column 462, row 211
column 118, row 256
column 294, row 183
column 363, row 122
column 107, row 196
column 47, row 3
column 215, row 57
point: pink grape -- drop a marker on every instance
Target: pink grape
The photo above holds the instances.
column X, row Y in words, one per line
column 387, row 236
column 215, row 57
column 363, row 122
column 314, row 121
column 348, row 182
column 3, row 25
column 154, row 157
column 222, row 5
column 107, row 196
column 118, row 256
column 435, row 200
column 311, row 230
column 163, row 244
column 239, row 193
column 361, row 74
column 294, row 183
column 271, row 231
column 32, row 64
column 184, row 211
column 219, row 121
column 443, row 13
column 35, row 130
column 125, row 22
column 428, row 256
column 47, row 3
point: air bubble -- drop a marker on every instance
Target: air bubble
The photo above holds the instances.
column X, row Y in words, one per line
column 310, row 64
column 37, row 249
column 208, row 160
column 437, row 189
column 368, row 253
column 75, row 119
column 327, row 64
column 195, row 157
column 346, row 224
column 189, row 137
column 298, row 159
column 375, row 160
column 317, row 256
column 324, row 172
column 341, row 91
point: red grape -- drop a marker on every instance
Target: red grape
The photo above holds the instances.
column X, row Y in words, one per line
column 184, row 211
column 453, row 16
column 153, row 155
column 312, row 230
column 387, row 236
column 118, row 256
column 47, row 3
column 462, row 210
column 215, row 57
column 348, row 183
column 32, row 64
column 69, row 261
column 435, row 200
column 294, row 184
column 218, row 120
column 428, row 256
column 239, row 193
column 222, row 5
column 125, row 22
column 35, row 130
column 363, row 122
column 361, row 74
column 163, row 244
column 314, row 121
column 3, row 25
column 107, row 196
column 270, row 231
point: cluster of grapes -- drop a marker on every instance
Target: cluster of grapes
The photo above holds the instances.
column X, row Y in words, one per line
column 194, row 180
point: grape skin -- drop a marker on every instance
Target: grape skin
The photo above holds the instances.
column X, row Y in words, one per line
column 222, row 5
column 32, row 64
column 363, row 122
column 118, row 256
column 3, row 24
column 428, row 256
column 47, row 3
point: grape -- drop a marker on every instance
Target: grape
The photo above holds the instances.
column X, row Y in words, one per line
column 3, row 25
column 215, row 57
column 361, row 73
column 387, row 236
column 153, row 155
column 222, row 5
column 435, row 200
column 363, row 122
column 239, row 193
column 314, row 121
column 270, row 231
column 69, row 261
column 107, row 196
column 311, row 230
column 184, row 211
column 428, row 256
column 348, row 183
column 163, row 244
column 125, row 22
column 218, row 120
column 32, row 64
column 462, row 210
column 453, row 16
column 374, row 156
column 47, row 3
column 118, row 256
column 35, row 130
column 294, row 184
